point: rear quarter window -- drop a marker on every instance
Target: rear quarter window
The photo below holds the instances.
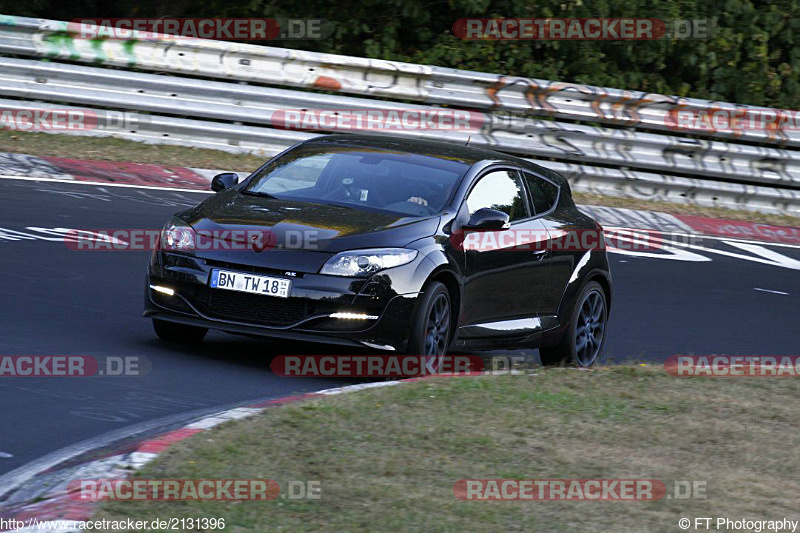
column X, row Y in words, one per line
column 544, row 194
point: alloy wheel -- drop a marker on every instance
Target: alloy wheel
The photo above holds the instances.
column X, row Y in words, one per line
column 590, row 329
column 437, row 329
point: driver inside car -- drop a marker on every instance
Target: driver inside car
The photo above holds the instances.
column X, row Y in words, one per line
column 418, row 193
column 394, row 189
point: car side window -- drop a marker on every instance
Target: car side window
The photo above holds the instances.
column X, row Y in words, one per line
column 543, row 193
column 501, row 190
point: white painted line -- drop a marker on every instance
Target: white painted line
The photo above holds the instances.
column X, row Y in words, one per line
column 115, row 466
column 4, row 455
column 770, row 291
column 121, row 465
column 11, row 481
column 139, row 459
column 105, row 184
column 233, row 414
column 352, row 388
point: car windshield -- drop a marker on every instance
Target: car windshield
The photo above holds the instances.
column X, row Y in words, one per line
column 400, row 182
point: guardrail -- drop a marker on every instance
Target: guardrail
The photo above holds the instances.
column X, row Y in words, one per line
column 643, row 154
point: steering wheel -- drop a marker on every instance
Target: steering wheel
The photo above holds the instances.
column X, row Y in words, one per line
column 409, row 208
column 345, row 191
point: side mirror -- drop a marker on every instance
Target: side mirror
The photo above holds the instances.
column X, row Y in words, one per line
column 486, row 219
column 225, row 180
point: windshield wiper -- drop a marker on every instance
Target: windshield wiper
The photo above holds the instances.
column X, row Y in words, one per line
column 261, row 194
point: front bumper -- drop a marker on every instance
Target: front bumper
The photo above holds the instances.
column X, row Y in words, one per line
column 305, row 315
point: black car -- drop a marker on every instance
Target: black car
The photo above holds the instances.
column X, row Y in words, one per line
column 366, row 247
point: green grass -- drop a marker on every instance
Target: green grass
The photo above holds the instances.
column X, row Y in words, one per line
column 111, row 149
column 387, row 458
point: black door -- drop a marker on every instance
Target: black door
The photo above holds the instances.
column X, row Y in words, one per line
column 563, row 257
column 505, row 271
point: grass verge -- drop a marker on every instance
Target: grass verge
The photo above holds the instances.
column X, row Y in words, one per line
column 110, row 149
column 387, row 458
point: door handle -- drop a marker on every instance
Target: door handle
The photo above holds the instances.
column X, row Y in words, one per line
column 539, row 253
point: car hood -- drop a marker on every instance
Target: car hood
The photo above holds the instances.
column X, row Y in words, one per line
column 305, row 234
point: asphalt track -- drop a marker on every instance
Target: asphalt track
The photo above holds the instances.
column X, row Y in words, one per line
column 56, row 301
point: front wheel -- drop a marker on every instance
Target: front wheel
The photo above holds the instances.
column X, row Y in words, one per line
column 173, row 332
column 430, row 336
column 585, row 336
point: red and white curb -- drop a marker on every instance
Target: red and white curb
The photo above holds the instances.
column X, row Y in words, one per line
column 54, row 507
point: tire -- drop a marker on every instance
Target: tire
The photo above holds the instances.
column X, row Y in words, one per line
column 579, row 347
column 431, row 332
column 172, row 332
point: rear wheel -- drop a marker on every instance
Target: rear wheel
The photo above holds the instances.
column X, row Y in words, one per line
column 585, row 336
column 172, row 332
column 430, row 335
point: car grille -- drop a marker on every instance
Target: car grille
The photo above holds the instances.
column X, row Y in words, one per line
column 257, row 309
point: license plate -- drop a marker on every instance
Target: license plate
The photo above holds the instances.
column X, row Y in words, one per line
column 243, row 282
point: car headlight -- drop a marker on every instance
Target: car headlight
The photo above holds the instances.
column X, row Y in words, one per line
column 177, row 235
column 359, row 263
